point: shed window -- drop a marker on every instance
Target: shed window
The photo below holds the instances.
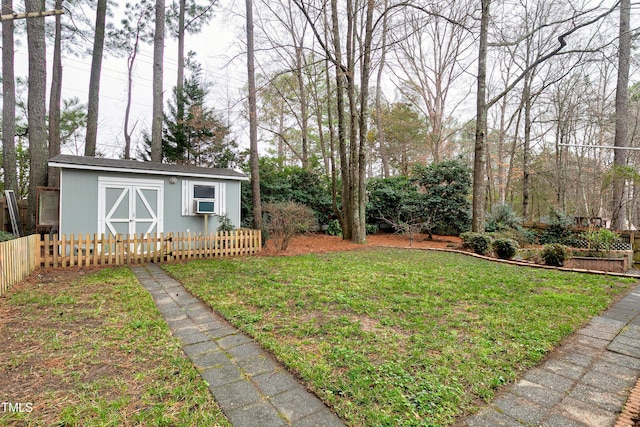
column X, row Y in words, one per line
column 202, row 197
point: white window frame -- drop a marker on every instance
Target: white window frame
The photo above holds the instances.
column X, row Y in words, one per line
column 189, row 201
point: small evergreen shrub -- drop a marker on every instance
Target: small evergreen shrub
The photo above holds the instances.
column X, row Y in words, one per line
column 5, row 237
column 502, row 217
column 372, row 229
column 554, row 254
column 335, row 229
column 477, row 242
column 226, row 224
column 505, row 248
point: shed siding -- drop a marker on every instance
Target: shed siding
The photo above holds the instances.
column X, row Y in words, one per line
column 79, row 202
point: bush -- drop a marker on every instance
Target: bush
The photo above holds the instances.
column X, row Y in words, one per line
column 285, row 220
column 226, row 224
column 445, row 187
column 601, row 239
column 559, row 228
column 505, row 248
column 335, row 229
column 502, row 218
column 372, row 229
column 554, row 254
column 477, row 242
column 5, row 237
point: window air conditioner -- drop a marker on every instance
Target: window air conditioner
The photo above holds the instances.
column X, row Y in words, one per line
column 205, row 207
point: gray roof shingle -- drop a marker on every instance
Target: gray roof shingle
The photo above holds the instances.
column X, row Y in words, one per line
column 66, row 161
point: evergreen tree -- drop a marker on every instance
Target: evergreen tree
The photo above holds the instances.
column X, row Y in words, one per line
column 201, row 138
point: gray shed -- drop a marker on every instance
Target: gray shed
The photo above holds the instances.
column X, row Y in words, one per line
column 126, row 196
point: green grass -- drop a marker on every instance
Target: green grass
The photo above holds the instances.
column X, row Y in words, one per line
column 96, row 352
column 393, row 337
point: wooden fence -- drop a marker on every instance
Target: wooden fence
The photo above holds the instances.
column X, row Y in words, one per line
column 84, row 250
column 17, row 260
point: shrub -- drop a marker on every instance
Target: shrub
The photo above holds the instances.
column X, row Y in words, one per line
column 601, row 239
column 372, row 229
column 445, row 187
column 554, row 254
column 335, row 229
column 477, row 242
column 5, row 237
column 559, row 228
column 502, row 217
column 226, row 224
column 505, row 248
column 285, row 220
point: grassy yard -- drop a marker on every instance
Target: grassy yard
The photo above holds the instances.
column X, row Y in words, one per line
column 393, row 337
column 94, row 351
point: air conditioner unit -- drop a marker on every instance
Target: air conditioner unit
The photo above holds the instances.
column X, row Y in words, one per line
column 205, row 207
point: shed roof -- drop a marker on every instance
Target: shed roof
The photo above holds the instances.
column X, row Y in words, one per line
column 66, row 161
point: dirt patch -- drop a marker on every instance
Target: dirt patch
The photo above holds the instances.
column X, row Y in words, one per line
column 322, row 243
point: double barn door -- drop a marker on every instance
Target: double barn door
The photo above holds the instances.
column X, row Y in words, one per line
column 130, row 206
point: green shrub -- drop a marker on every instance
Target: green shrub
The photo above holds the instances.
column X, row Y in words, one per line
column 226, row 224
column 477, row 242
column 335, row 229
column 4, row 236
column 559, row 228
column 554, row 254
column 505, row 248
column 502, row 217
column 600, row 239
column 372, row 229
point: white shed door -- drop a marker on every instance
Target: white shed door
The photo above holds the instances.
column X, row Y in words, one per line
column 130, row 206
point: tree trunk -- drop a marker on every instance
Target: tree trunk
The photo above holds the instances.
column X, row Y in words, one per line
column 94, row 80
column 477, row 222
column 526, row 150
column 622, row 106
column 55, row 98
column 158, row 63
column 181, row 137
column 127, row 112
column 36, row 106
column 8, row 103
column 384, row 158
column 359, row 219
column 253, row 122
column 304, row 119
column 341, row 77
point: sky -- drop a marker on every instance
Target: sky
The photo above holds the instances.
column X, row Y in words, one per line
column 218, row 48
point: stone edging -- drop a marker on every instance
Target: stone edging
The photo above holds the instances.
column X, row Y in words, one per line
column 519, row 263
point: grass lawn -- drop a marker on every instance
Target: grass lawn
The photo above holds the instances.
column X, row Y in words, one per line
column 94, row 351
column 391, row 337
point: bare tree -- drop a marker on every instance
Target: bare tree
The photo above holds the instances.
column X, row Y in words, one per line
column 253, row 121
column 158, row 67
column 37, row 128
column 8, row 102
column 136, row 28
column 94, row 80
column 618, row 220
column 432, row 57
column 55, row 99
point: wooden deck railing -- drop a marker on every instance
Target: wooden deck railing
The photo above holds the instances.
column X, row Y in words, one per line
column 17, row 260
column 87, row 250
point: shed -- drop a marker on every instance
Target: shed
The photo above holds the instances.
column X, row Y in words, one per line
column 113, row 196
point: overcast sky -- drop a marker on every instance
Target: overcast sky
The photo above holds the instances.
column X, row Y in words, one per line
column 218, row 48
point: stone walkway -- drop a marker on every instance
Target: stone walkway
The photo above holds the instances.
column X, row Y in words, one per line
column 250, row 387
column 585, row 382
